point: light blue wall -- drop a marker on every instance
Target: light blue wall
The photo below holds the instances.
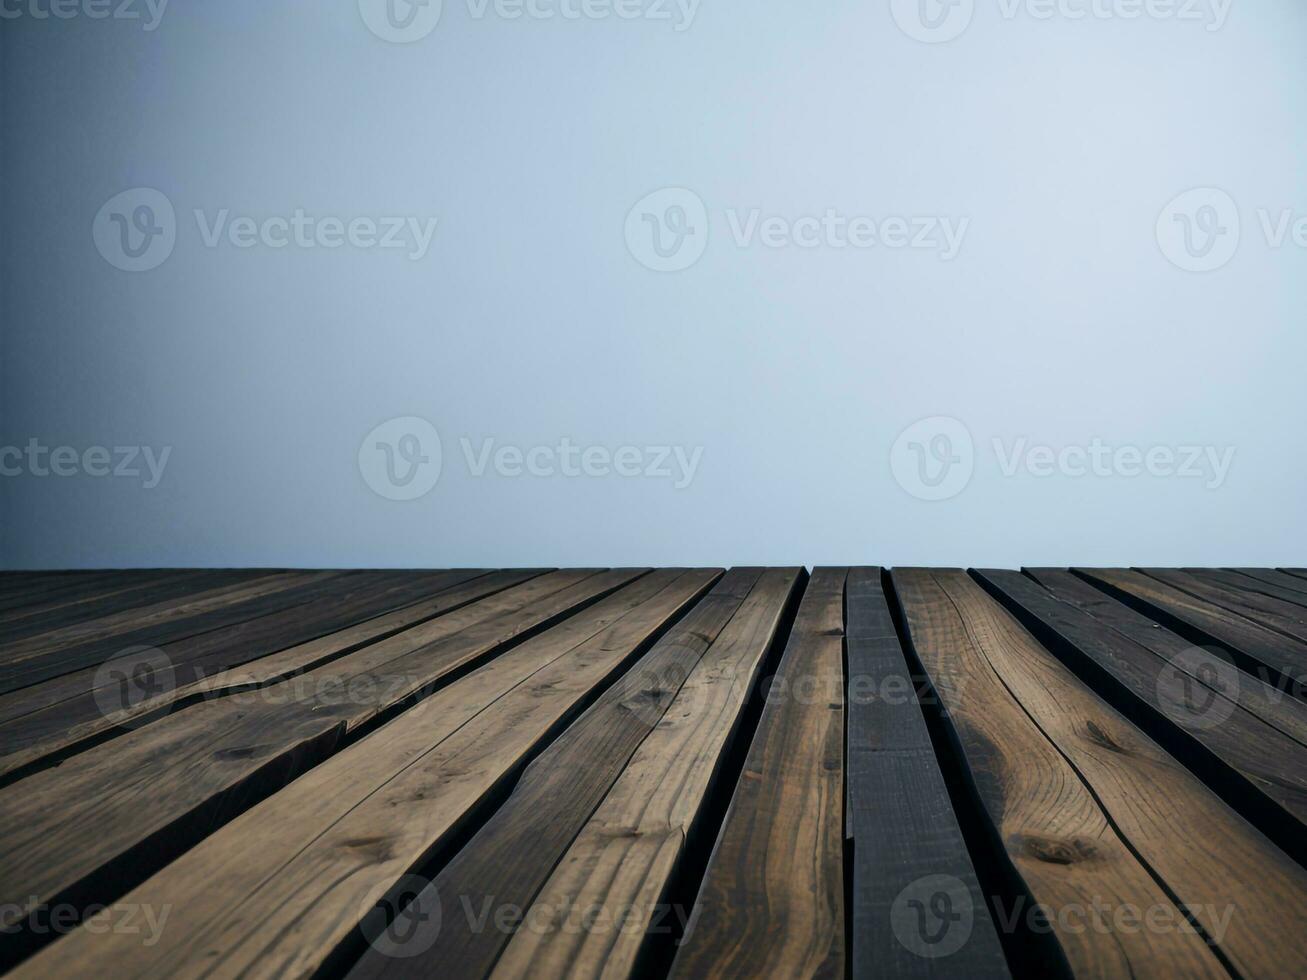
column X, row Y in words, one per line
column 1061, row 319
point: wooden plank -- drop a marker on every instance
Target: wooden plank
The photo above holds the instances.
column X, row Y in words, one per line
column 1271, row 704
column 48, row 712
column 142, row 608
column 625, row 855
column 1244, row 892
column 1055, row 833
column 780, row 847
column 276, row 890
column 1273, row 657
column 906, row 838
column 1285, row 617
column 124, row 595
column 1191, row 704
column 61, row 724
column 324, row 588
column 1269, row 581
column 195, row 769
column 30, row 596
column 504, row 866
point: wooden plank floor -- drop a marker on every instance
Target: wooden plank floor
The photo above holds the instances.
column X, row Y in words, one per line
column 654, row 772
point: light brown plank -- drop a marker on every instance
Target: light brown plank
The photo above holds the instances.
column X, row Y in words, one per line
column 1056, row 834
column 275, row 891
column 772, row 899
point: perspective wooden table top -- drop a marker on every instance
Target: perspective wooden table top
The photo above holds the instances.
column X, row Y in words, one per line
column 654, row 772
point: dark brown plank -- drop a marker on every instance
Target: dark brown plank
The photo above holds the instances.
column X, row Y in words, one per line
column 122, row 602
column 1190, row 704
column 907, row 845
column 1240, row 889
column 780, row 848
column 54, row 659
column 1056, row 833
column 277, row 890
column 505, row 865
column 1271, row 656
column 190, row 772
column 1282, row 586
column 33, row 719
column 28, row 596
column 1271, row 704
column 1284, row 617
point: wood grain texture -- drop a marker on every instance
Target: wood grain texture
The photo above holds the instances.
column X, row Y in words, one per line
column 624, row 856
column 34, row 718
column 64, row 723
column 202, row 766
column 1285, row 617
column 576, row 767
column 1054, row 830
column 1269, row 581
column 1273, row 657
column 901, row 819
column 276, row 890
column 1244, row 892
column 772, row 898
column 120, row 604
column 321, row 604
column 1267, row 702
column 504, row 866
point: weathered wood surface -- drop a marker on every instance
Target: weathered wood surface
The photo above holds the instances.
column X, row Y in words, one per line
column 406, row 774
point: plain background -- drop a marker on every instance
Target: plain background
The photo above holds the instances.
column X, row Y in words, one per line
column 529, row 321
